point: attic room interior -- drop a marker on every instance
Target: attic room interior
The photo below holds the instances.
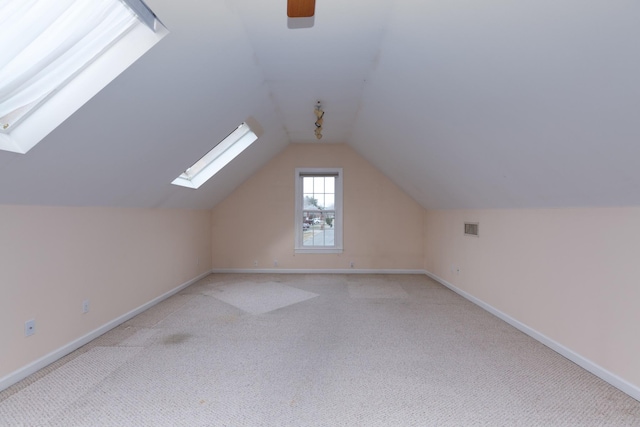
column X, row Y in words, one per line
column 469, row 159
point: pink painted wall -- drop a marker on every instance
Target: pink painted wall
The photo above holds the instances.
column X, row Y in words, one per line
column 571, row 274
column 382, row 224
column 53, row 258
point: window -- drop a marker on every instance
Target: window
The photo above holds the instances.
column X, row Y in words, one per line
column 58, row 54
column 219, row 156
column 318, row 211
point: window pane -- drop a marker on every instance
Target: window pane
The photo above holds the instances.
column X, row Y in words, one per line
column 318, row 184
column 307, row 184
column 309, row 202
column 330, row 184
column 320, row 199
column 330, row 201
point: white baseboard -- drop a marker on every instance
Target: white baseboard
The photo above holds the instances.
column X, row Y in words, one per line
column 44, row 361
column 621, row 384
column 314, row 271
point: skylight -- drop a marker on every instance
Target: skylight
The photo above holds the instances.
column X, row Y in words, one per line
column 58, row 54
column 227, row 150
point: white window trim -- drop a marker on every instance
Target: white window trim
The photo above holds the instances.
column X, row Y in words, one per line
column 337, row 248
column 84, row 86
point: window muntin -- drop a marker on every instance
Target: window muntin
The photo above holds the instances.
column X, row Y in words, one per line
column 318, row 211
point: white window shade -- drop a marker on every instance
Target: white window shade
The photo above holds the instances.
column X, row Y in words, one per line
column 46, row 45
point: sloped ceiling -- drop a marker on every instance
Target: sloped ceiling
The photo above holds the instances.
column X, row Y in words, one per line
column 464, row 104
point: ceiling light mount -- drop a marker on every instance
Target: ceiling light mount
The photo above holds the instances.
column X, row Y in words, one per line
column 319, row 119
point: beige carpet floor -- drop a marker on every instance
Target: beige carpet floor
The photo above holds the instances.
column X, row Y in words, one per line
column 315, row 350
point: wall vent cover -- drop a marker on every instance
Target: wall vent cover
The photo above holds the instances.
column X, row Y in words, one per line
column 471, row 228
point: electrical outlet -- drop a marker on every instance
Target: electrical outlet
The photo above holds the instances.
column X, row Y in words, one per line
column 85, row 306
column 351, row 264
column 275, row 262
column 255, row 263
column 29, row 327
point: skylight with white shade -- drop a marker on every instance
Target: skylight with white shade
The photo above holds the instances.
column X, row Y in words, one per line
column 57, row 54
column 227, row 150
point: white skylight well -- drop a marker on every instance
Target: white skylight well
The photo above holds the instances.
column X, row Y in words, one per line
column 227, row 150
column 58, row 54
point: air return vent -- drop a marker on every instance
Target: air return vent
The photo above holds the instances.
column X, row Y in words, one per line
column 471, row 228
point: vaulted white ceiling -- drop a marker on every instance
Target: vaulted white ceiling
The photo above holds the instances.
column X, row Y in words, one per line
column 464, row 104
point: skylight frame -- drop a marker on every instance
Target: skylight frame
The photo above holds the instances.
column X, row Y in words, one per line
column 217, row 158
column 59, row 105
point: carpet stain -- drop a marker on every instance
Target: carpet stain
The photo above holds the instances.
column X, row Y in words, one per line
column 176, row 339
